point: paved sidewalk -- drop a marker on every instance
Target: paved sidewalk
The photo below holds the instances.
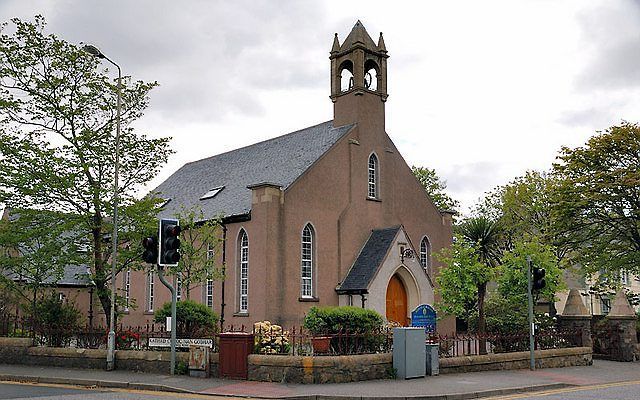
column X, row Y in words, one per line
column 449, row 386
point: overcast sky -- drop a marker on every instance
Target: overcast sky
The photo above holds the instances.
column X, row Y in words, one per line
column 479, row 90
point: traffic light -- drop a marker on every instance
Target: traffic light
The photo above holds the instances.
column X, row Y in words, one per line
column 169, row 242
column 150, row 254
column 538, row 278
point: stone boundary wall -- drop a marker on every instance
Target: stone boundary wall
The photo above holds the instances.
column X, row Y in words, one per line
column 19, row 351
column 290, row 369
column 321, row 369
column 553, row 358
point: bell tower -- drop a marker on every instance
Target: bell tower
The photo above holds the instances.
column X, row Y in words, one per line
column 358, row 77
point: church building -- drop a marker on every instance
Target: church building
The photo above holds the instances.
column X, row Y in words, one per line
column 328, row 215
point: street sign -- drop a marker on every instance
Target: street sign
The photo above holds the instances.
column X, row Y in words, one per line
column 182, row 343
column 424, row 316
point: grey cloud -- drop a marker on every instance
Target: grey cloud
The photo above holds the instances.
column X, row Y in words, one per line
column 612, row 33
column 210, row 57
column 590, row 117
column 475, row 177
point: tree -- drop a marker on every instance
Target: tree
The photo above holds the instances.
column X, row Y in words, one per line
column 484, row 236
column 199, row 242
column 435, row 188
column 596, row 206
column 58, row 113
column 524, row 209
column 459, row 279
column 33, row 254
column 512, row 279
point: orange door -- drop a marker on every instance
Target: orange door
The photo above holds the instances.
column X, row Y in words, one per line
column 397, row 301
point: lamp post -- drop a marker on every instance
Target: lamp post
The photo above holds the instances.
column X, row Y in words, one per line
column 111, row 344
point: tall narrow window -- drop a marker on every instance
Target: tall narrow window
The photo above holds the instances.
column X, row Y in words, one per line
column 127, row 288
column 150, row 291
column 244, row 272
column 209, row 287
column 306, row 284
column 425, row 254
column 209, row 293
column 373, row 177
column 178, row 287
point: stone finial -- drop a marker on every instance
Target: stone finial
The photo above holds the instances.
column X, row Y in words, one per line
column 574, row 307
column 336, row 44
column 621, row 306
column 381, row 46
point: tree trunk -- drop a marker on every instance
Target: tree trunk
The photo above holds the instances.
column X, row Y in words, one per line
column 100, row 276
column 482, row 324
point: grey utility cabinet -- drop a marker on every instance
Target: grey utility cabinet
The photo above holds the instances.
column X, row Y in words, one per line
column 409, row 355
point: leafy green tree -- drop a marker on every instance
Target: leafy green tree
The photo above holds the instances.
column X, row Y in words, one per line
column 58, row 117
column 484, row 236
column 459, row 279
column 596, row 205
column 200, row 241
column 524, row 209
column 192, row 319
column 435, row 188
column 512, row 278
column 33, row 254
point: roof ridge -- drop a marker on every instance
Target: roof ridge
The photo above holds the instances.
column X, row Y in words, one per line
column 261, row 142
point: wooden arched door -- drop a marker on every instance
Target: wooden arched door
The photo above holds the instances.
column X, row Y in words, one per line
column 397, row 301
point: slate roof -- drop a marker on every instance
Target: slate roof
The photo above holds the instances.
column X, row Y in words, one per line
column 368, row 261
column 74, row 275
column 280, row 161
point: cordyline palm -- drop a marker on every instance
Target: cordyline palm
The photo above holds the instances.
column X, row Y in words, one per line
column 484, row 235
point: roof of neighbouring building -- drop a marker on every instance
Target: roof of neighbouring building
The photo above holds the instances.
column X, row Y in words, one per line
column 368, row 261
column 73, row 275
column 280, row 160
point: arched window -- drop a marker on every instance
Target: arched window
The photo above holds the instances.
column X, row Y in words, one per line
column 307, row 262
column 243, row 272
column 373, row 177
column 425, row 254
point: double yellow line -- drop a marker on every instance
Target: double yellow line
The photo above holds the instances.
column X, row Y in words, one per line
column 564, row 390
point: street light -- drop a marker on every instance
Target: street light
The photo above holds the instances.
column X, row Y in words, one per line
column 111, row 344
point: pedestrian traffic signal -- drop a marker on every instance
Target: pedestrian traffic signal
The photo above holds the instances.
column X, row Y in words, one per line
column 150, row 254
column 169, row 242
column 538, row 278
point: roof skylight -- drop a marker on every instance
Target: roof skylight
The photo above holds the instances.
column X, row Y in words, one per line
column 212, row 193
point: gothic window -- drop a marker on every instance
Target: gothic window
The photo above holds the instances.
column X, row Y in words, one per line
column 373, row 174
column 425, row 254
column 243, row 272
column 209, row 295
column 127, row 288
column 307, row 263
column 209, row 285
column 150, row 291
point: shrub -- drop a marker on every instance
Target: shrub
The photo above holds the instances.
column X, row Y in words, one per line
column 192, row 319
column 503, row 317
column 333, row 320
column 361, row 326
column 55, row 321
